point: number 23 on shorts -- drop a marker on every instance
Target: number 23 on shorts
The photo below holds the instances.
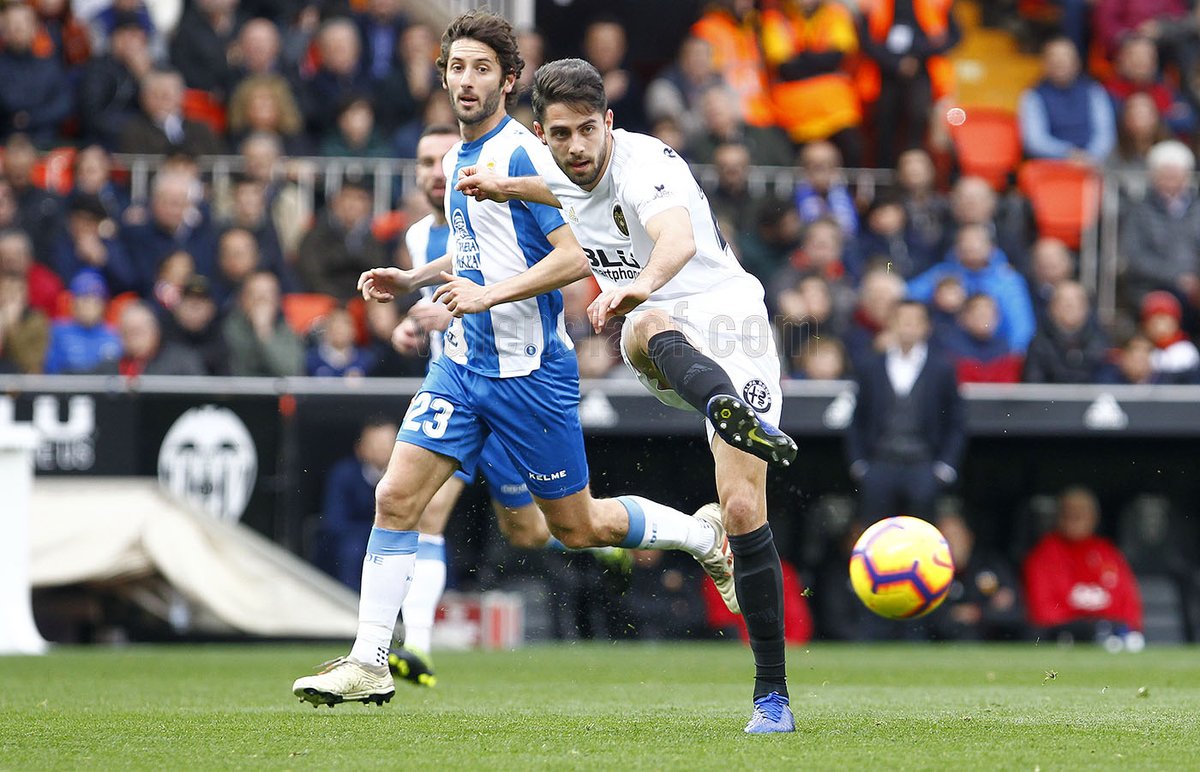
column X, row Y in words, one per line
column 436, row 411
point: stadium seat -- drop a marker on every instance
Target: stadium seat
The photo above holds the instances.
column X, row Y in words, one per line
column 116, row 304
column 62, row 305
column 54, row 171
column 388, row 226
column 304, row 309
column 357, row 307
column 988, row 145
column 201, row 106
column 1065, row 198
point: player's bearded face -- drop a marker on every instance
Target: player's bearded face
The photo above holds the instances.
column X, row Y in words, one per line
column 475, row 81
column 579, row 142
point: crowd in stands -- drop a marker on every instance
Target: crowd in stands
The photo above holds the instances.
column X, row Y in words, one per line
column 249, row 275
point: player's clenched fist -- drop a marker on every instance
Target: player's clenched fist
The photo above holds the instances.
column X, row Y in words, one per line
column 480, row 186
column 384, row 284
column 461, row 295
column 615, row 302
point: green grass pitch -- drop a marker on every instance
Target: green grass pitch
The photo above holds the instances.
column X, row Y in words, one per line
column 610, row 706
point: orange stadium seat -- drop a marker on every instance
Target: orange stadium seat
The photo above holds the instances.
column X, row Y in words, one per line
column 201, row 106
column 988, row 145
column 304, row 309
column 1065, row 198
column 62, row 305
column 54, row 172
column 116, row 304
column 389, row 225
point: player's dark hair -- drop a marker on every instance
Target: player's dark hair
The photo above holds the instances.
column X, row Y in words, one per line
column 493, row 31
column 573, row 82
column 438, row 129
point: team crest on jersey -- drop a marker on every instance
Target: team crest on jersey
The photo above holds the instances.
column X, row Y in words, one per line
column 466, row 251
column 619, row 219
column 757, row 395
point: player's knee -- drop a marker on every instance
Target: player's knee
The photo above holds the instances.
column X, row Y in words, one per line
column 396, row 503
column 742, row 512
column 577, row 538
column 524, row 536
column 651, row 323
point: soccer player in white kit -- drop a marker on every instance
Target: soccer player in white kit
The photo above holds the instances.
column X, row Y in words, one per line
column 696, row 330
column 507, row 371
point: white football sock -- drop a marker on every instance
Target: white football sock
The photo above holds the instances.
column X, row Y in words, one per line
column 654, row 526
column 429, row 581
column 387, row 574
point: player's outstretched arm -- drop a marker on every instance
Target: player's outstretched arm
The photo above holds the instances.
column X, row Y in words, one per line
column 564, row 264
column 386, row 284
column 674, row 245
column 483, row 186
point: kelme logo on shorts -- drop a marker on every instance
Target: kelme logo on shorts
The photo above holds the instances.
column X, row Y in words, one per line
column 757, row 395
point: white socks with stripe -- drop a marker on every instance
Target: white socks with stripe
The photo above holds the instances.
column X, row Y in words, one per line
column 421, row 603
column 387, row 574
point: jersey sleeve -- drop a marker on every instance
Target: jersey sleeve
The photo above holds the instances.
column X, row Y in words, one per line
column 520, row 164
column 654, row 187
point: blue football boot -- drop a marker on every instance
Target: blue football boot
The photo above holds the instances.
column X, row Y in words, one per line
column 740, row 426
column 771, row 714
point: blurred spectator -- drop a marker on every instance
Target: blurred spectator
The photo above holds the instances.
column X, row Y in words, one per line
column 173, row 274
column 1139, row 128
column 978, row 353
column 39, row 212
column 1070, row 346
column 1133, row 364
column 822, row 359
column 532, row 47
column 670, row 133
column 290, row 212
column 435, row 111
column 161, row 127
column 1078, row 585
column 677, row 92
column 888, row 240
column 265, row 103
column 42, row 285
column 259, row 339
column 1137, row 73
column 256, row 50
column 90, row 242
column 69, row 37
column 339, row 75
column 198, row 46
column 349, row 510
column 805, row 311
column 973, row 202
column 605, row 46
column 731, row 199
column 721, row 124
column 820, row 254
column 79, row 344
column 354, row 133
column 927, row 210
column 596, row 355
column 982, row 268
column 194, row 324
column 413, row 79
column 949, row 297
column 823, row 191
column 393, row 354
column 143, row 350
column 341, row 246
column 238, row 258
column 904, row 42
column 1115, row 20
column 807, row 45
column 334, row 353
column 766, row 242
column 907, row 436
column 93, row 176
column 1160, row 239
column 1175, row 359
column 1052, row 263
column 730, row 28
column 174, row 224
column 984, row 600
column 381, row 27
column 108, row 87
column 24, row 330
column 104, row 22
column 250, row 213
column 866, row 334
column 43, row 99
column 1066, row 115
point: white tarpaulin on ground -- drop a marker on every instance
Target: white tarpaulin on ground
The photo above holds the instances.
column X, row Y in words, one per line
column 109, row 529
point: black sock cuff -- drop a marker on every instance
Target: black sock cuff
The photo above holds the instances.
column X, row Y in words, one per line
column 748, row 544
column 664, row 343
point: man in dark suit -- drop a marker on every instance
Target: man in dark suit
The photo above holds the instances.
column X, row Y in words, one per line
column 161, row 127
column 907, row 436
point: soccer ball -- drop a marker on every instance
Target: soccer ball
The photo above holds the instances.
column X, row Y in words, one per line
column 901, row 568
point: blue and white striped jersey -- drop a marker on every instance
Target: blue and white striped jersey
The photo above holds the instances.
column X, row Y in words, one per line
column 426, row 242
column 490, row 242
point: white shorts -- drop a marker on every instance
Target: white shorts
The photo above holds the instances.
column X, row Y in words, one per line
column 735, row 333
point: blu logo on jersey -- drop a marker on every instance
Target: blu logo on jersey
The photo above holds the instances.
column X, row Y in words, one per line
column 466, row 252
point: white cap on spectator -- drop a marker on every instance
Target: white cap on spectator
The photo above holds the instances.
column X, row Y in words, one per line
column 1170, row 153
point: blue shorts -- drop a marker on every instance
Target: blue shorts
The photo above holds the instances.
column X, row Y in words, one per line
column 505, row 483
column 534, row 418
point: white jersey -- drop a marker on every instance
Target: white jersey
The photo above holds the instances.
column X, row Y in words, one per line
column 426, row 242
column 490, row 242
column 644, row 178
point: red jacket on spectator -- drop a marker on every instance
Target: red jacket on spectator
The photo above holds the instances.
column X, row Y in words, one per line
column 44, row 289
column 1115, row 18
column 1122, row 89
column 1085, row 579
